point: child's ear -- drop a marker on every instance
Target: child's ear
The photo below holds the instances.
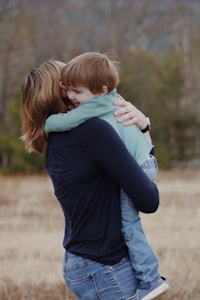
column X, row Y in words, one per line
column 104, row 90
column 62, row 85
column 63, row 89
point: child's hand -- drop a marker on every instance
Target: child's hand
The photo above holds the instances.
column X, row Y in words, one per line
column 129, row 113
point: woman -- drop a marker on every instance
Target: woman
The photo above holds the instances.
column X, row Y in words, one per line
column 87, row 175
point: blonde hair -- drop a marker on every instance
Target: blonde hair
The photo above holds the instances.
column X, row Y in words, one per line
column 92, row 70
column 40, row 95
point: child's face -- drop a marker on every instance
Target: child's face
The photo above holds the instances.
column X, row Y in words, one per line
column 79, row 94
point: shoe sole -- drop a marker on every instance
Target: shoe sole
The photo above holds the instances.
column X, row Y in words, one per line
column 158, row 291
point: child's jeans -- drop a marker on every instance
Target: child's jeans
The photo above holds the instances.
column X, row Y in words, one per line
column 142, row 257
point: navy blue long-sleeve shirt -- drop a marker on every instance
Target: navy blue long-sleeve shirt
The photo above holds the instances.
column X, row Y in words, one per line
column 88, row 165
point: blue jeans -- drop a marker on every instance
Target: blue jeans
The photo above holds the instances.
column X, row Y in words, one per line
column 143, row 259
column 90, row 280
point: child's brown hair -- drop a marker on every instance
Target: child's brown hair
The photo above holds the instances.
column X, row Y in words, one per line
column 92, row 70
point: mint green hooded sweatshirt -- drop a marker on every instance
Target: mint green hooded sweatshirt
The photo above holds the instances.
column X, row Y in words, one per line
column 102, row 107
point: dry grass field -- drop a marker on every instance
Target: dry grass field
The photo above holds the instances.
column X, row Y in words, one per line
column 31, row 232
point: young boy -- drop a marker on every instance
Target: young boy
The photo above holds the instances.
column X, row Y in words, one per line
column 91, row 80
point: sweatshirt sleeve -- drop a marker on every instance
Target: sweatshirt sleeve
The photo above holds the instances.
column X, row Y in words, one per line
column 111, row 153
column 65, row 121
column 92, row 108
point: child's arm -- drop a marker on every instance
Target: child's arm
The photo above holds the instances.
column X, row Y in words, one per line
column 65, row 121
column 90, row 109
column 74, row 117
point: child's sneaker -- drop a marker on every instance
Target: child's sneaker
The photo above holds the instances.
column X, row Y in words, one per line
column 150, row 290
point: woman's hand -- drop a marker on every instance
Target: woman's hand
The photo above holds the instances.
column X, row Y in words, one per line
column 129, row 114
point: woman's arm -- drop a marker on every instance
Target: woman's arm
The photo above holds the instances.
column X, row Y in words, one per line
column 114, row 158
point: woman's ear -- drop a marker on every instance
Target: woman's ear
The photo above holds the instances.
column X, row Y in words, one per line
column 104, row 90
column 63, row 89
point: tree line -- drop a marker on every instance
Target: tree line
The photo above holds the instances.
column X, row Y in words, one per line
column 156, row 45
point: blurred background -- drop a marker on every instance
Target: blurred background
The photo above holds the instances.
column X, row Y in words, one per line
column 156, row 42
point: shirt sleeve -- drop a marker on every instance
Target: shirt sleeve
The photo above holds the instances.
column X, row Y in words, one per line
column 64, row 121
column 111, row 153
column 67, row 121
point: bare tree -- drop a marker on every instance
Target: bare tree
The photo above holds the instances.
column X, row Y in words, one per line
column 15, row 31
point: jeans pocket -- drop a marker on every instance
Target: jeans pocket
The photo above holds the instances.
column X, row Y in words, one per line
column 83, row 287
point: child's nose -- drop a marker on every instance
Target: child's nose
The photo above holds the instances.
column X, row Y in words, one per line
column 70, row 94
